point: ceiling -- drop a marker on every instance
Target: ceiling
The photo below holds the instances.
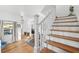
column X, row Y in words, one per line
column 15, row 10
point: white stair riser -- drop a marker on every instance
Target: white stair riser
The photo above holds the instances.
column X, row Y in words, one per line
column 67, row 42
column 56, row 49
column 67, row 28
column 70, row 34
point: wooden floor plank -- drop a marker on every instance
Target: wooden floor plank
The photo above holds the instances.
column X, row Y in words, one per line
column 18, row 47
column 46, row 50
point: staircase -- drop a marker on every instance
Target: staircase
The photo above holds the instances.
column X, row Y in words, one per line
column 64, row 37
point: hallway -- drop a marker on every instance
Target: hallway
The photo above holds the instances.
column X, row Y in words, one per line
column 18, row 47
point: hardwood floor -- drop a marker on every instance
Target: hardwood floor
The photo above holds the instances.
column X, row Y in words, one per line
column 18, row 47
column 46, row 50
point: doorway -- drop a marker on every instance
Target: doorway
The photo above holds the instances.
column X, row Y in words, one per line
column 8, row 33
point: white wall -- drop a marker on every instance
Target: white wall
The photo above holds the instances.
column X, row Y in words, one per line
column 77, row 11
column 9, row 16
column 62, row 10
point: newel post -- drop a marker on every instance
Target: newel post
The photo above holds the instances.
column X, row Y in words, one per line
column 36, row 46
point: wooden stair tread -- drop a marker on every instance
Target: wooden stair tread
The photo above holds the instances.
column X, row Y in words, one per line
column 66, row 17
column 65, row 37
column 65, row 30
column 46, row 50
column 64, row 47
column 66, row 21
column 65, row 25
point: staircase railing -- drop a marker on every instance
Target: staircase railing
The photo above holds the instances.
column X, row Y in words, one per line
column 43, row 31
